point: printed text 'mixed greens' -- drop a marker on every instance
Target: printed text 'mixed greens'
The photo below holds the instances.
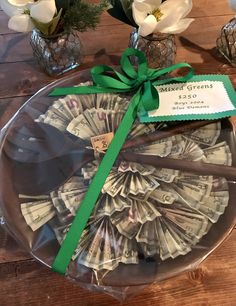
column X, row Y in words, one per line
column 189, row 87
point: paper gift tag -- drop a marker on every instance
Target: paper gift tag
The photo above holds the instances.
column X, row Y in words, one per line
column 203, row 97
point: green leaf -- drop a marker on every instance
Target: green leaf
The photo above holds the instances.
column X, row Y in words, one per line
column 55, row 22
column 118, row 12
column 47, row 28
column 127, row 7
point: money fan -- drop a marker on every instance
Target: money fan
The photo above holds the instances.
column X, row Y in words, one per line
column 166, row 204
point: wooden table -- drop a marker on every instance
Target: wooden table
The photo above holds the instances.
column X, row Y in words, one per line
column 23, row 281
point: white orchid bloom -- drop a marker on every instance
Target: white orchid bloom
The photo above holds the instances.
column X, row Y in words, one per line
column 153, row 16
column 22, row 11
column 232, row 4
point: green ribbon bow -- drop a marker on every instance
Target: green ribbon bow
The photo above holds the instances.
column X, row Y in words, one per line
column 141, row 82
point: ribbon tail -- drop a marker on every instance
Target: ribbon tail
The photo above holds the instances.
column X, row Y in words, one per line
column 82, row 90
column 150, row 97
column 83, row 213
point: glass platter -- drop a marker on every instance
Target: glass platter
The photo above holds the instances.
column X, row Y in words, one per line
column 42, row 243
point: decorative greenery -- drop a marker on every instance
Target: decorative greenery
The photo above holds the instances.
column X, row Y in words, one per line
column 81, row 15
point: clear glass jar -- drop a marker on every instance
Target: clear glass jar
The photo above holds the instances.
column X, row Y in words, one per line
column 59, row 53
column 160, row 49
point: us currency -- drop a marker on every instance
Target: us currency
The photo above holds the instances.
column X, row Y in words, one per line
column 113, row 183
column 147, row 235
column 141, row 129
column 127, row 250
column 95, row 122
column 193, row 224
column 159, row 237
column 105, row 248
column 73, row 199
column 193, row 192
column 60, row 106
column 111, row 101
column 37, row 213
column 218, row 154
column 135, row 183
column 80, row 127
column 164, row 250
column 129, row 182
column 182, row 245
column 215, row 206
column 125, row 223
column 58, row 203
column 63, row 111
column 160, row 148
column 165, row 175
column 125, row 166
column 206, row 135
column 108, row 205
column 189, row 151
column 143, row 212
column 166, row 238
column 162, row 196
column 53, row 118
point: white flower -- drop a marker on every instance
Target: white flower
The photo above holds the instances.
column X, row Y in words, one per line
column 232, row 4
column 153, row 16
column 20, row 2
column 21, row 12
column 43, row 10
column 10, row 9
column 20, row 23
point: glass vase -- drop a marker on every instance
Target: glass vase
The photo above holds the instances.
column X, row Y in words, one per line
column 226, row 42
column 57, row 54
column 160, row 49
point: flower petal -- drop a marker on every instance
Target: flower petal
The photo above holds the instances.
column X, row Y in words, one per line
column 179, row 27
column 19, row 2
column 182, row 7
column 140, row 11
column 147, row 26
column 232, row 4
column 9, row 9
column 167, row 20
column 43, row 10
column 173, row 11
column 20, row 23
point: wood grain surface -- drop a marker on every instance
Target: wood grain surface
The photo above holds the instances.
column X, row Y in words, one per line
column 25, row 282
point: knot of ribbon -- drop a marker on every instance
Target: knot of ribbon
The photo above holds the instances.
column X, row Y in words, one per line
column 140, row 82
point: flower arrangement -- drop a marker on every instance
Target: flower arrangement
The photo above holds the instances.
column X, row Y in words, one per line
column 153, row 16
column 51, row 17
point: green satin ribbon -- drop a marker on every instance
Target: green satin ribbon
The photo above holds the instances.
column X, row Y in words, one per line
column 140, row 81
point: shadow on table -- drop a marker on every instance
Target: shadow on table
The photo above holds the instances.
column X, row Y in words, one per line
column 212, row 60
